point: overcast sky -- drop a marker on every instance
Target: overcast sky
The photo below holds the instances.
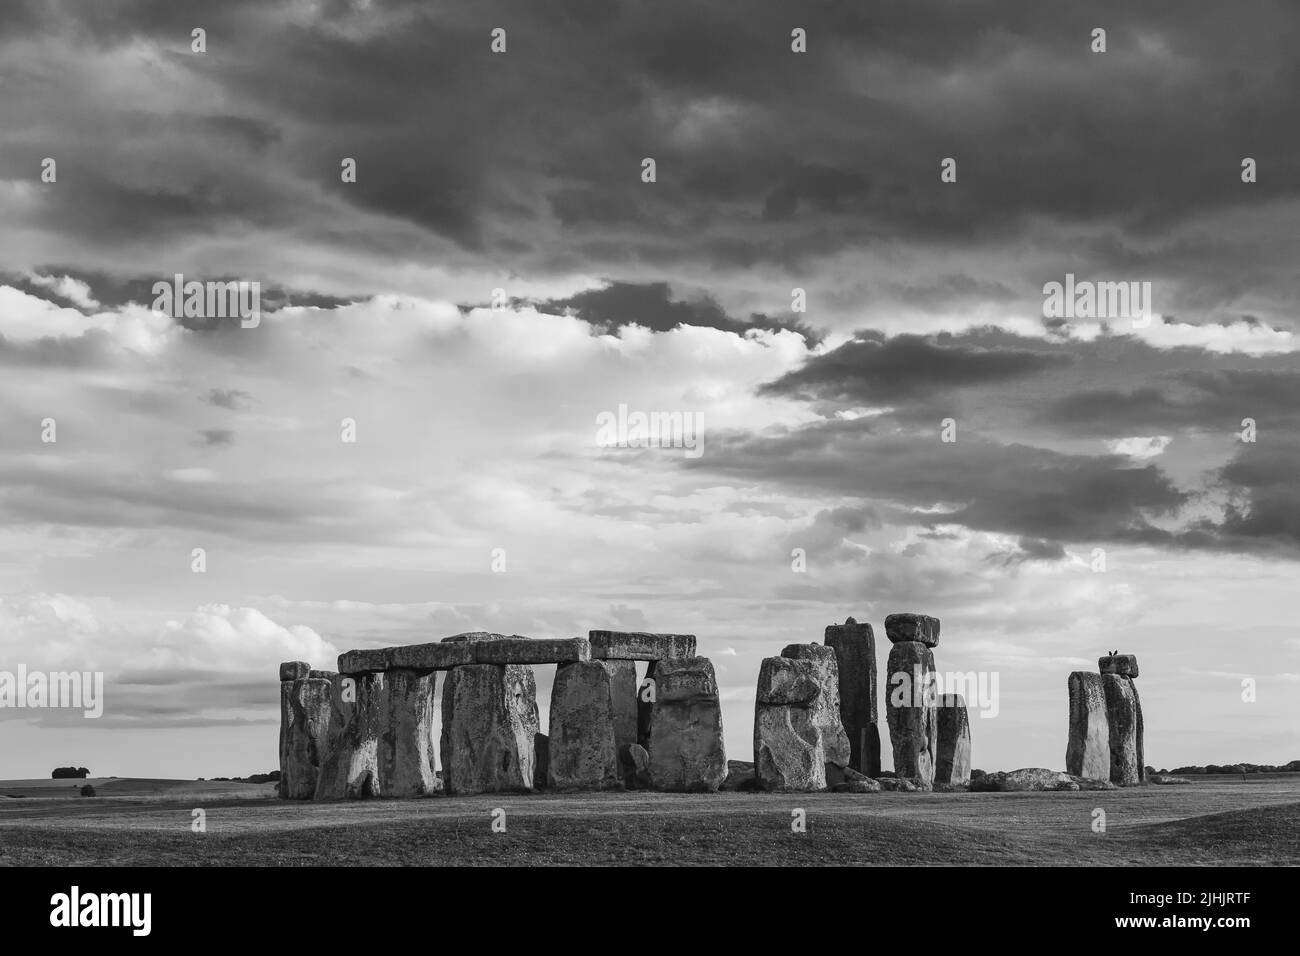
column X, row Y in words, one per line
column 476, row 429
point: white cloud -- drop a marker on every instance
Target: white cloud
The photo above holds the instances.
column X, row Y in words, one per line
column 1140, row 447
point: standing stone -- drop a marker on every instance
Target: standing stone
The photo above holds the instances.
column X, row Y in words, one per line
column 902, row 628
column 294, row 670
column 541, row 760
column 952, row 733
column 910, row 710
column 1122, row 716
column 489, row 722
column 1087, row 753
column 305, row 714
column 789, row 751
column 686, row 749
column 351, row 769
column 622, row 700
column 645, row 706
column 825, row 710
column 634, row 765
column 583, row 755
column 406, row 752
column 855, row 653
column 1141, row 755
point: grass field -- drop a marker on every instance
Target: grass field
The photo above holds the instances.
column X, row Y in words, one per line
column 1209, row 822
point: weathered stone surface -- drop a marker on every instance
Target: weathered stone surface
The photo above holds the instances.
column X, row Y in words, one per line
column 951, row 787
column 686, row 748
column 367, row 661
column 1122, row 716
column 472, row 637
column 1088, row 783
column 785, row 681
column 1165, row 779
column 305, row 714
column 1125, row 665
column 582, row 751
column 430, row 657
column 634, row 764
column 788, row 752
column 826, row 707
column 524, row 650
column 622, row 700
column 294, row 670
column 489, row 722
column 351, row 768
column 910, row 709
column 406, row 751
column 325, row 675
column 541, row 760
column 1087, row 752
column 640, row 646
column 645, row 706
column 838, row 773
column 1141, row 751
column 952, row 736
column 855, row 653
column 898, row 784
column 1025, row 779
column 901, row 628
column 862, row 785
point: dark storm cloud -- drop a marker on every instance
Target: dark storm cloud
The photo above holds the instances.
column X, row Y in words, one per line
column 1197, row 399
column 872, row 368
column 653, row 306
column 216, row 436
column 765, row 156
column 975, row 482
column 232, row 398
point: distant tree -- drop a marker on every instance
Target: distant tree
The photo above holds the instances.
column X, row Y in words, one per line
column 87, row 791
column 69, row 773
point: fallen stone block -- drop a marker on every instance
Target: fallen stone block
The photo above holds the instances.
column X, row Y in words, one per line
column 1087, row 752
column 910, row 701
column 640, row 646
column 489, row 726
column 524, row 650
column 826, row 708
column 901, row 628
column 855, row 653
column 686, row 744
column 952, row 736
column 864, row 785
column 898, row 784
column 583, row 755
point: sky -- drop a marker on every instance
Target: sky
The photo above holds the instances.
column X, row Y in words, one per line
column 500, row 275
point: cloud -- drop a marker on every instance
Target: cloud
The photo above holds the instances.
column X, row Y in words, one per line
column 1139, row 447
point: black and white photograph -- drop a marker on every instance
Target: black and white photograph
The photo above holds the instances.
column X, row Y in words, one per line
column 614, row 433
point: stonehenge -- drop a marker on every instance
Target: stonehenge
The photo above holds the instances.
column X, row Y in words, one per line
column 789, row 749
column 367, row 730
column 855, row 652
column 1105, row 734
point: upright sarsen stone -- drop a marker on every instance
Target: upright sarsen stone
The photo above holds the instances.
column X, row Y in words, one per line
column 622, row 700
column 825, row 709
column 686, row 749
column 789, row 752
column 910, row 710
column 351, row 769
column 952, row 735
column 489, row 722
column 406, row 756
column 583, row 754
column 1087, row 752
column 1122, row 715
column 305, row 715
column 855, row 653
